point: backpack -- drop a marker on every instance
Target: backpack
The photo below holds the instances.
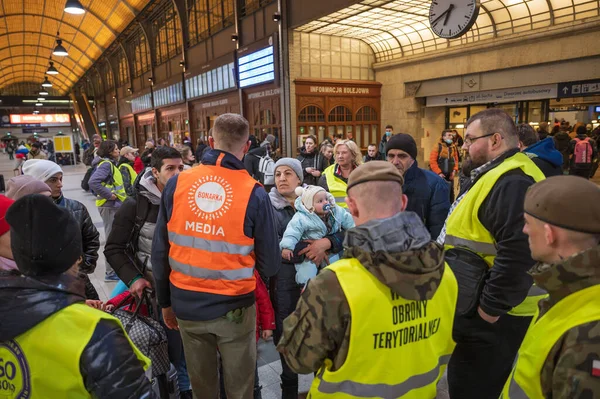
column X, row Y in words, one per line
column 266, row 167
column 583, row 152
column 85, row 183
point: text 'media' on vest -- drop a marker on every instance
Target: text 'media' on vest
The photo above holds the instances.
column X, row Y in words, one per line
column 209, row 198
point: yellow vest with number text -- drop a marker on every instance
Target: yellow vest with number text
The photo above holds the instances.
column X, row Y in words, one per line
column 337, row 187
column 43, row 362
column 114, row 184
column 464, row 229
column 398, row 347
column 576, row 309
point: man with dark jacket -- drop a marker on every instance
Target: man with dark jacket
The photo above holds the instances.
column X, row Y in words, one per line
column 52, row 344
column 428, row 194
column 129, row 245
column 487, row 220
column 543, row 153
column 91, row 152
column 214, row 227
column 52, row 174
column 561, row 142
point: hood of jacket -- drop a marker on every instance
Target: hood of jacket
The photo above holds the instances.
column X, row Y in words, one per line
column 147, row 187
column 572, row 274
column 123, row 160
column 25, row 302
column 546, row 150
column 399, row 252
column 277, row 200
column 97, row 160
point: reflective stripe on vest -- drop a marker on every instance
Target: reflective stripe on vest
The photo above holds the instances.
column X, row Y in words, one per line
column 385, row 328
column 464, row 229
column 209, row 251
column 115, row 184
column 383, row 390
column 337, row 187
column 576, row 309
column 44, row 361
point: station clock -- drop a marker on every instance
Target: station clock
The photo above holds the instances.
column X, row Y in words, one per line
column 452, row 18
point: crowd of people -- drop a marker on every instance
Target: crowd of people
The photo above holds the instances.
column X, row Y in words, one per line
column 379, row 276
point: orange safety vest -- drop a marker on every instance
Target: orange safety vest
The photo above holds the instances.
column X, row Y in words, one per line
column 209, row 250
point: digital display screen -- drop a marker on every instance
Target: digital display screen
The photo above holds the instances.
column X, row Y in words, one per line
column 257, row 67
column 597, row 109
column 40, row 118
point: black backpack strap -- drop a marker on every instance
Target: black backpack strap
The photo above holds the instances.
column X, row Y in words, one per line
column 142, row 209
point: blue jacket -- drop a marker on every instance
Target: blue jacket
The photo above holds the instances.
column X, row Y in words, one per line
column 545, row 155
column 428, row 196
column 259, row 224
column 306, row 225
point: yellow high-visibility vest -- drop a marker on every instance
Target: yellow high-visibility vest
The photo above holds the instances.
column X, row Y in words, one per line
column 115, row 185
column 132, row 173
column 464, row 229
column 337, row 187
column 398, row 347
column 576, row 309
column 43, row 362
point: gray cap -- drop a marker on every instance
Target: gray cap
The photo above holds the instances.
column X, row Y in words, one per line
column 292, row 163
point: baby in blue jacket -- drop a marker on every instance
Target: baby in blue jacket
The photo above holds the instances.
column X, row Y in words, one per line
column 316, row 216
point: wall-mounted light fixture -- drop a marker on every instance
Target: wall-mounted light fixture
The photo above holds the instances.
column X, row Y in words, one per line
column 234, row 37
column 276, row 16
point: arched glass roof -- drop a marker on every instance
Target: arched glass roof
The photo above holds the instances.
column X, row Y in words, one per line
column 28, row 32
column 398, row 28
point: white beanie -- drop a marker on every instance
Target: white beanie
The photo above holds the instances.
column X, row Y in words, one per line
column 41, row 169
column 308, row 194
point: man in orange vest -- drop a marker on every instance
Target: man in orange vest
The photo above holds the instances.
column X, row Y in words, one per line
column 215, row 225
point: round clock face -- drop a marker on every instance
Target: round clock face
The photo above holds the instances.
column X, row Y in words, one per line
column 452, row 18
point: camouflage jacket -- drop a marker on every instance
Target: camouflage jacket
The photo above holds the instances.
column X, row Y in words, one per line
column 398, row 251
column 567, row 371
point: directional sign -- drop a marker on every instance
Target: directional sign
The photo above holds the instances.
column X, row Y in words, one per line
column 579, row 89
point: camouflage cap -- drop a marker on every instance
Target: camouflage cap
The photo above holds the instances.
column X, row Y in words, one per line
column 569, row 202
column 374, row 171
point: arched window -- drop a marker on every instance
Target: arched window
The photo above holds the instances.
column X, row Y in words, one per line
column 366, row 114
column 340, row 114
column 311, row 113
column 311, row 121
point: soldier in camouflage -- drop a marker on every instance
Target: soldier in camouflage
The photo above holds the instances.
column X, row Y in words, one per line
column 564, row 237
column 392, row 245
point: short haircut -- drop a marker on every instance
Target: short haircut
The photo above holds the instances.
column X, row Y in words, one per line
column 581, row 131
column 162, row 153
column 495, row 120
column 352, row 147
column 37, row 144
column 527, row 135
column 231, row 132
column 446, row 131
column 388, row 194
column 185, row 151
column 106, row 147
column 372, row 145
column 389, row 127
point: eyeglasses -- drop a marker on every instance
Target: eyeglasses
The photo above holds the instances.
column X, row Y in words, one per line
column 470, row 140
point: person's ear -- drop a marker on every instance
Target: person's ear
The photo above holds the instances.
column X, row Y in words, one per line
column 352, row 207
column 155, row 173
column 247, row 147
column 404, row 202
column 211, row 142
column 549, row 235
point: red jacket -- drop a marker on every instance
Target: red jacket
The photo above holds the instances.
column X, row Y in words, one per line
column 265, row 315
column 129, row 305
column 138, row 165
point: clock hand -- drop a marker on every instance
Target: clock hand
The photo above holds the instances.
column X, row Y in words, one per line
column 442, row 14
column 448, row 13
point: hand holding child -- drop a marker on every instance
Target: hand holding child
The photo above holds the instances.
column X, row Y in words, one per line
column 287, row 254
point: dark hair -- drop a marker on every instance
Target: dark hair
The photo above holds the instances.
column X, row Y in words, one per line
column 338, row 136
column 162, row 153
column 447, row 131
column 555, row 130
column 389, row 127
column 581, row 131
column 372, row 145
column 495, row 120
column 106, row 147
column 527, row 135
column 313, row 138
column 37, row 145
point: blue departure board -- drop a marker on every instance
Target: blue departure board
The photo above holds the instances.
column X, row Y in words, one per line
column 257, row 67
